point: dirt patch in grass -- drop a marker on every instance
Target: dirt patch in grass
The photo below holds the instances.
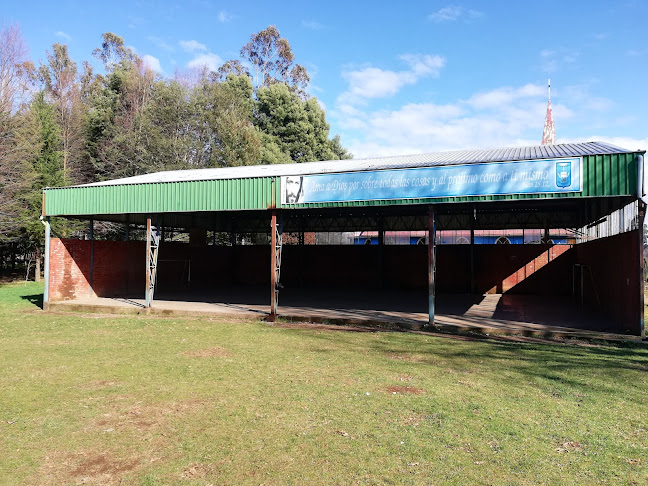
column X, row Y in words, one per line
column 98, row 384
column 569, row 446
column 413, row 420
column 197, row 471
column 216, row 352
column 404, row 389
column 88, row 467
column 405, row 357
column 143, row 417
column 103, row 467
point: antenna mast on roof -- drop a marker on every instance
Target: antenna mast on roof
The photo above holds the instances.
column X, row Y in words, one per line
column 549, row 133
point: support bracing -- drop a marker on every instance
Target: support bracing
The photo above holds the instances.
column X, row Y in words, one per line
column 152, row 246
column 275, row 258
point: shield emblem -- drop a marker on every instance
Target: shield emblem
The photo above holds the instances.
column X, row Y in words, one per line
column 563, row 174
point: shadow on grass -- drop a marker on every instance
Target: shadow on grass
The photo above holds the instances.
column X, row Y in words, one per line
column 582, row 364
column 36, row 299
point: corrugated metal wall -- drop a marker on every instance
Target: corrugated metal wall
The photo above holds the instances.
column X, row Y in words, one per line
column 218, row 195
column 603, row 175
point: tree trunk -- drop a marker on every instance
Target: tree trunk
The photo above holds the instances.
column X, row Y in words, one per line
column 38, row 265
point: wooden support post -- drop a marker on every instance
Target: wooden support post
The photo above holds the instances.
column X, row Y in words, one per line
column 147, row 294
column 273, row 263
column 431, row 263
column 47, row 264
column 37, row 273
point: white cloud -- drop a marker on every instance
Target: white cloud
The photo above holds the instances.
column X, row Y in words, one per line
column 552, row 60
column 581, row 93
column 63, row 35
column 161, row 43
column 372, row 82
column 506, row 95
column 452, row 13
column 312, row 25
column 152, row 63
column 376, row 83
column 224, row 16
column 505, row 116
column 192, row 46
column 424, row 64
column 208, row 59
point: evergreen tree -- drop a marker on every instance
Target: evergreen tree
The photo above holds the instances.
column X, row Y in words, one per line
column 298, row 126
column 45, row 169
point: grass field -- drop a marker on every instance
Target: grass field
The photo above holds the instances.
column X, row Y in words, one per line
column 87, row 399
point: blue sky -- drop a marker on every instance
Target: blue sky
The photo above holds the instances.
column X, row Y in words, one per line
column 402, row 77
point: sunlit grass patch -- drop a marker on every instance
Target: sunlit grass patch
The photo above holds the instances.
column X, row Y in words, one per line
column 142, row 400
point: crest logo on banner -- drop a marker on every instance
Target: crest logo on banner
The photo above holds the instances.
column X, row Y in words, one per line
column 563, row 174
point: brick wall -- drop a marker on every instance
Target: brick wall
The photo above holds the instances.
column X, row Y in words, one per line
column 612, row 284
column 119, row 269
column 69, row 269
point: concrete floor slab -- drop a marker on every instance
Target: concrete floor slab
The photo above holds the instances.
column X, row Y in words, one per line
column 483, row 313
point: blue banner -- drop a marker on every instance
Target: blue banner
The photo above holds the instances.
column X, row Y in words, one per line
column 522, row 177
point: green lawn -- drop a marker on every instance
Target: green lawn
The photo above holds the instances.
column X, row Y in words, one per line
column 88, row 399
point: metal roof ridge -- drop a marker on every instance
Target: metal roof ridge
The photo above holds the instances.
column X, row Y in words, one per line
column 453, row 157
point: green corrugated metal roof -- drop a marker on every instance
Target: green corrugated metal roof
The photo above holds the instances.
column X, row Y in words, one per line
column 253, row 188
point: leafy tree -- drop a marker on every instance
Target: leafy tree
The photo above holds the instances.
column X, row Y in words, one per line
column 231, row 67
column 116, row 100
column 223, row 115
column 272, row 59
column 339, row 151
column 16, row 138
column 42, row 167
column 59, row 79
column 113, row 52
column 15, row 69
column 299, row 126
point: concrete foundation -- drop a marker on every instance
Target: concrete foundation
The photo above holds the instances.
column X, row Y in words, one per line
column 490, row 313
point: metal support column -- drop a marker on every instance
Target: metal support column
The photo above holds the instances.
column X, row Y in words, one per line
column 642, row 275
column 48, row 231
column 381, row 244
column 473, row 283
column 301, row 252
column 431, row 263
column 275, row 259
column 152, row 246
column 91, row 234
